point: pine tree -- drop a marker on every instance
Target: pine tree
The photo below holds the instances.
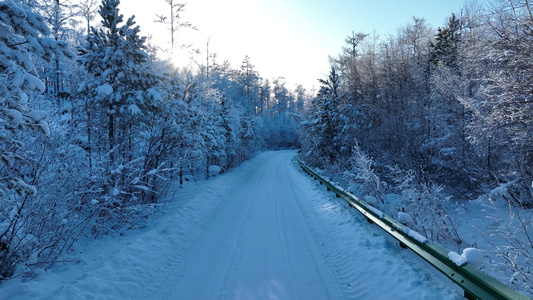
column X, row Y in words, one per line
column 324, row 120
column 445, row 48
column 122, row 84
column 249, row 78
column 446, row 117
column 59, row 14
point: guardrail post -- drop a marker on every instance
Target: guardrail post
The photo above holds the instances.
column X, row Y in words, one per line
column 469, row 296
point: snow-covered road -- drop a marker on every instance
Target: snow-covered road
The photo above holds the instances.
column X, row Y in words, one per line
column 259, row 246
column 261, row 231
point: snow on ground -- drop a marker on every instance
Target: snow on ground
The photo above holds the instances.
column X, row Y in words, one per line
column 261, row 231
column 484, row 223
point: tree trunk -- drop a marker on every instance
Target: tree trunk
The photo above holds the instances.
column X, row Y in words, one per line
column 207, row 167
column 111, row 136
column 89, row 137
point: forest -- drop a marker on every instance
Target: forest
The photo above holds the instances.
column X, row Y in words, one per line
column 95, row 126
column 438, row 117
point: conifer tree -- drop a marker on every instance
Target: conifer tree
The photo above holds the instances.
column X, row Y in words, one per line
column 324, row 118
column 122, row 84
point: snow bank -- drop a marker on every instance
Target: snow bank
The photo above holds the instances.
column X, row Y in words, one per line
column 214, row 170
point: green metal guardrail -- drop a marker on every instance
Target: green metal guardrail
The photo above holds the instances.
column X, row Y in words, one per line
column 476, row 284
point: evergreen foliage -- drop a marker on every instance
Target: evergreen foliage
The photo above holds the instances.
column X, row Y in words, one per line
column 121, row 128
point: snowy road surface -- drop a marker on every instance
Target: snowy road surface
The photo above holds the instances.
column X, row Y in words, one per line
column 261, row 231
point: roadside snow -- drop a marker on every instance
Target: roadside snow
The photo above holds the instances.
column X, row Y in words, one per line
column 371, row 200
column 261, row 231
column 405, row 219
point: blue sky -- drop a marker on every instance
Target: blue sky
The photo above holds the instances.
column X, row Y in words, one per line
column 287, row 38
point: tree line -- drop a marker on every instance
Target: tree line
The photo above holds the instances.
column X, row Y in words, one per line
column 453, row 104
column 95, row 127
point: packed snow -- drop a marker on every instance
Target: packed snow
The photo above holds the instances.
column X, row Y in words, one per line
column 415, row 235
column 378, row 212
column 405, row 219
column 371, row 200
column 104, row 90
column 264, row 230
column 472, row 256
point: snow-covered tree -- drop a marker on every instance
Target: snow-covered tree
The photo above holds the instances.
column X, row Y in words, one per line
column 324, row 121
column 248, row 78
column 446, row 117
column 23, row 34
column 61, row 16
column 123, row 83
column 505, row 114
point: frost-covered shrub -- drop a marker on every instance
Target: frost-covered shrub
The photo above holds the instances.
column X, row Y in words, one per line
column 427, row 206
column 49, row 222
column 361, row 172
column 511, row 235
column 22, row 34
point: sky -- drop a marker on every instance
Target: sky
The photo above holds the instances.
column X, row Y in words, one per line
column 283, row 38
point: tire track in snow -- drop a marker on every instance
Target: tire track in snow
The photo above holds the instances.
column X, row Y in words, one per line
column 273, row 255
column 364, row 263
column 190, row 225
column 309, row 238
column 205, row 268
column 236, row 255
column 281, row 224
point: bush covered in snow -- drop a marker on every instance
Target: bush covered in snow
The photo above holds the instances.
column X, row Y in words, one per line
column 23, row 34
column 511, row 236
column 360, row 171
column 427, row 205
